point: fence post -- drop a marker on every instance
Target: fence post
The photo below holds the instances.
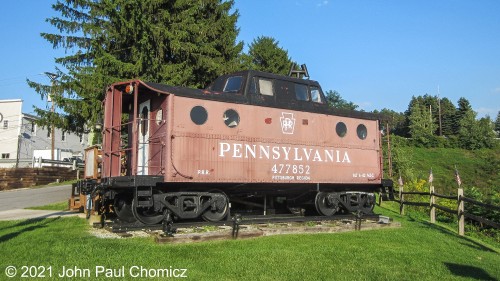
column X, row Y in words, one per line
column 401, row 201
column 460, row 210
column 432, row 204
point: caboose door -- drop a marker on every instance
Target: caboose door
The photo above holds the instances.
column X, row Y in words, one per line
column 143, row 138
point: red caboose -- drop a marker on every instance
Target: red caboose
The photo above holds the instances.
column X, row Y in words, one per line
column 251, row 140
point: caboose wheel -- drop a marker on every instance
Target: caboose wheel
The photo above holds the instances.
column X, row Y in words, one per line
column 123, row 208
column 218, row 209
column 326, row 204
column 368, row 203
column 147, row 215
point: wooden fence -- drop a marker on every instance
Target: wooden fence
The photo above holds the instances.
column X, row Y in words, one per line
column 459, row 211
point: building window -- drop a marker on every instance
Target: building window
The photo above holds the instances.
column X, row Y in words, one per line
column 81, row 138
column 6, row 124
column 5, row 155
column 63, row 136
column 49, row 132
column 33, row 128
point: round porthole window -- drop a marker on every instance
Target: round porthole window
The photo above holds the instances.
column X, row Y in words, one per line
column 341, row 129
column 362, row 132
column 231, row 118
column 199, row 115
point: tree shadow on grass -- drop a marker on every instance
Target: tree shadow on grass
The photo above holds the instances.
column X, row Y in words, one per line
column 466, row 241
column 29, row 225
column 39, row 219
column 468, row 271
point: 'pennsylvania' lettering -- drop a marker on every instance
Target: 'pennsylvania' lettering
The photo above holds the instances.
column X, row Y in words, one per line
column 286, row 153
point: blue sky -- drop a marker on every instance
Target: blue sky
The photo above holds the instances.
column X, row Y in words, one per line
column 376, row 53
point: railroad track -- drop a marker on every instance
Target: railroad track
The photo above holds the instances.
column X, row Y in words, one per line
column 235, row 222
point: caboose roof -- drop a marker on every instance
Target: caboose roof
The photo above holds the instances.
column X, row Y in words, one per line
column 242, row 98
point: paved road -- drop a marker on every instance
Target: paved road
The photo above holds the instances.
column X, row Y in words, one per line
column 23, row 198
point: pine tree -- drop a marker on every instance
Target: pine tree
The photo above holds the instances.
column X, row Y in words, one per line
column 448, row 112
column 464, row 110
column 182, row 43
column 421, row 123
column 334, row 100
column 265, row 54
column 497, row 124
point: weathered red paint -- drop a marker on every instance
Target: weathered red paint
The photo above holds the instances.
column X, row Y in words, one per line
column 305, row 150
column 261, row 152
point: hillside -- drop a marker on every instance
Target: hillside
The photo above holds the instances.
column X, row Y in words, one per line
column 479, row 168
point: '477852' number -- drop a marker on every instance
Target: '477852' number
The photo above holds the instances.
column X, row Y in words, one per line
column 291, row 169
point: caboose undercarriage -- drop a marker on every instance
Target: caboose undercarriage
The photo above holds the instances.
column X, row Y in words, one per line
column 148, row 200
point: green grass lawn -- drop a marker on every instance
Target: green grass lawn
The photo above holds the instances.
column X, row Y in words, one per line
column 59, row 206
column 416, row 251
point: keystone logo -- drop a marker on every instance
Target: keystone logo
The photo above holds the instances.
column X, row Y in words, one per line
column 287, row 123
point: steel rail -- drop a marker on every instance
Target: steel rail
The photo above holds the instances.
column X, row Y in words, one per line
column 118, row 227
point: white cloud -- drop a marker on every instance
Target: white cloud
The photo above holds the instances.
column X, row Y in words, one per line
column 366, row 105
column 483, row 111
column 322, row 3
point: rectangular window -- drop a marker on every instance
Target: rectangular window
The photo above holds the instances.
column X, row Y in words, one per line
column 81, row 138
column 49, row 132
column 6, row 124
column 63, row 136
column 316, row 95
column 301, row 92
column 266, row 87
column 5, row 155
column 233, row 84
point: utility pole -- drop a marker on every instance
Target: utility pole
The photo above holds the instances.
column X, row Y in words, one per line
column 439, row 112
column 430, row 118
column 18, row 150
column 52, row 78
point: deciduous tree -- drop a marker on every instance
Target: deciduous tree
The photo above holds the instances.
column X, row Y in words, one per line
column 395, row 120
column 475, row 134
column 497, row 124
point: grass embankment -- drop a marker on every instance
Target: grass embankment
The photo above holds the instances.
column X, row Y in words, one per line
column 416, row 251
column 478, row 168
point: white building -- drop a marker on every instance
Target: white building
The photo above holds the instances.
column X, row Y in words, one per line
column 20, row 136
